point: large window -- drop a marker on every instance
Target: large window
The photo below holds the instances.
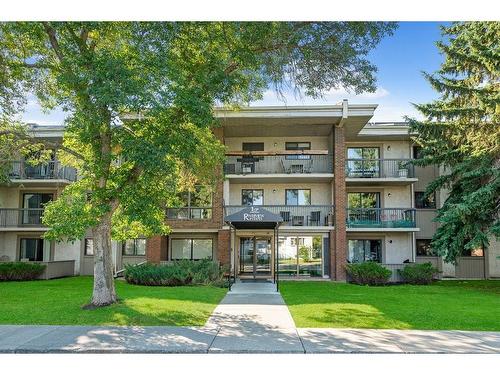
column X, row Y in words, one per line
column 301, row 256
column 298, row 197
column 363, row 162
column 297, row 146
column 422, row 201
column 193, row 204
column 134, row 247
column 424, row 247
column 253, row 146
column 365, row 250
column 363, row 153
column 191, row 248
column 363, row 200
column 34, row 249
column 34, row 202
column 252, row 197
column 89, row 247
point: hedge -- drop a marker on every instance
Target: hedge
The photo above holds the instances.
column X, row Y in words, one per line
column 368, row 273
column 20, row 271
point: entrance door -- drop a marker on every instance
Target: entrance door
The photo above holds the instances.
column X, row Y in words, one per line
column 255, row 256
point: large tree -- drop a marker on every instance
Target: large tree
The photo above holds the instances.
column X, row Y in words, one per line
column 170, row 75
column 461, row 135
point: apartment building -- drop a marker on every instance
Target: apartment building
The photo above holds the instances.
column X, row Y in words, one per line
column 307, row 189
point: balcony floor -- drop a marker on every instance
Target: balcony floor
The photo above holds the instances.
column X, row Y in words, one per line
column 358, row 181
column 281, row 177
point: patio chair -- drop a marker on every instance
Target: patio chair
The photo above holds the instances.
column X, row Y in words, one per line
column 314, row 218
column 298, row 221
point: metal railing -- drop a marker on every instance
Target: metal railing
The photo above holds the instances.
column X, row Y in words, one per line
column 278, row 164
column 381, row 218
column 21, row 217
column 189, row 213
column 52, row 170
column 379, row 168
column 297, row 216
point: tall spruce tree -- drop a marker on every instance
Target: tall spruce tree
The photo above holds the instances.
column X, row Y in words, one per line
column 461, row 135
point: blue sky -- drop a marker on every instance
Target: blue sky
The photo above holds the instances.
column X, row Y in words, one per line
column 400, row 59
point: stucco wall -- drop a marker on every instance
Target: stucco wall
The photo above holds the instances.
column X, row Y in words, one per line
column 388, row 149
column 236, row 143
column 8, row 243
column 399, row 249
column 9, row 198
column 321, row 193
column 68, row 251
column 390, row 196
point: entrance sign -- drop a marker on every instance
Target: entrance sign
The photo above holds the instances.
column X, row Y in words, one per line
column 254, row 217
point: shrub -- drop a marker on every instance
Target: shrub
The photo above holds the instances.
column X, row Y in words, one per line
column 368, row 273
column 183, row 272
column 20, row 271
column 422, row 273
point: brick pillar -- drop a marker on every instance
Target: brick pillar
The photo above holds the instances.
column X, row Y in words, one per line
column 156, row 249
column 223, row 255
column 218, row 197
column 340, row 197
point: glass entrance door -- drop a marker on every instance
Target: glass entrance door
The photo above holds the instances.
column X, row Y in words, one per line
column 255, row 256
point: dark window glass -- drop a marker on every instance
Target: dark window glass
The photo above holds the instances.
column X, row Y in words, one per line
column 134, row 247
column 417, row 152
column 365, row 250
column 32, row 249
column 89, row 247
column 297, row 146
column 424, row 248
column 421, row 201
column 252, row 197
column 297, row 197
column 363, row 200
column 253, row 146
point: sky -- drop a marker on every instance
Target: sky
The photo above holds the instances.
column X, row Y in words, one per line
column 400, row 60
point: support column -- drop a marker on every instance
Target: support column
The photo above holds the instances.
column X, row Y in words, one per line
column 156, row 249
column 223, row 247
column 340, row 198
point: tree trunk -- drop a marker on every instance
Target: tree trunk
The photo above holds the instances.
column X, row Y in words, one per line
column 104, row 286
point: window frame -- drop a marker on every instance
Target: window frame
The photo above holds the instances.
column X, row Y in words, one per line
column 297, row 148
column 135, row 254
column 252, row 190
column 365, row 240
column 39, row 249
column 421, row 201
column 85, row 247
column 427, row 254
column 377, row 194
column 191, row 246
column 243, row 144
column 286, row 197
column 363, row 148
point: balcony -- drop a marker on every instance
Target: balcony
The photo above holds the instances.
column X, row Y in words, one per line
column 283, row 166
column 189, row 213
column 52, row 170
column 399, row 219
column 378, row 170
column 296, row 216
column 21, row 217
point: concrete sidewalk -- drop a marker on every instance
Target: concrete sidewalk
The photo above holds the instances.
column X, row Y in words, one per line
column 252, row 318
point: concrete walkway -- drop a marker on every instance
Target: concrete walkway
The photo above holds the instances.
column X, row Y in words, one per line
column 252, row 318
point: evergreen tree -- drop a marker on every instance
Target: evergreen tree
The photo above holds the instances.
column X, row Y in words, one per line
column 461, row 135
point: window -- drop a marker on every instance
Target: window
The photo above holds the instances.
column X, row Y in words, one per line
column 301, row 256
column 191, row 248
column 253, row 146
column 363, row 162
column 298, row 197
column 365, row 250
column 297, row 146
column 135, row 247
column 363, row 200
column 421, row 201
column 417, row 152
column 193, row 204
column 89, row 247
column 424, row 248
column 33, row 249
column 252, row 197
column 363, row 153
column 34, row 202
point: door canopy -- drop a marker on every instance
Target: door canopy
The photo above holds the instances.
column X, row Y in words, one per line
column 254, row 217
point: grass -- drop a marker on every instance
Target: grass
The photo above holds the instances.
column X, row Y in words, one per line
column 60, row 301
column 446, row 305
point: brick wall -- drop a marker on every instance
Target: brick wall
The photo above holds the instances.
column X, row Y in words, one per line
column 223, row 255
column 340, row 198
column 156, row 249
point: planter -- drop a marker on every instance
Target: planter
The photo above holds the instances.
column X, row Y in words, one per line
column 403, row 173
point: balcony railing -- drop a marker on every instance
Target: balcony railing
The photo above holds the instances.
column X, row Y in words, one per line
column 21, row 217
column 379, row 168
column 189, row 213
column 381, row 218
column 278, row 164
column 314, row 215
column 52, row 170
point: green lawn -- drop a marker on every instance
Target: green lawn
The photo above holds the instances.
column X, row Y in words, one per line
column 462, row 305
column 60, row 301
